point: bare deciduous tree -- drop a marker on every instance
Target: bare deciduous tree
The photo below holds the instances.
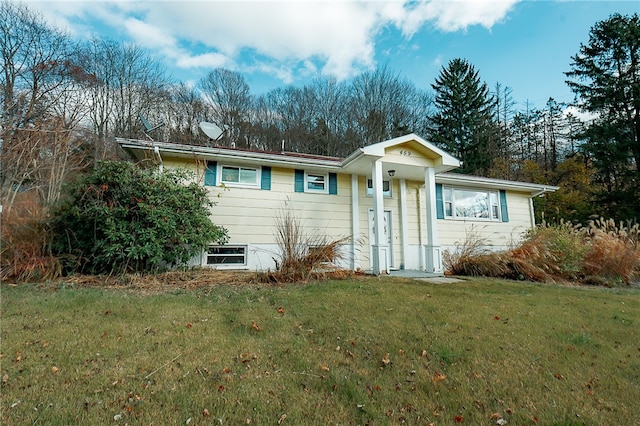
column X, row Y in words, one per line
column 230, row 101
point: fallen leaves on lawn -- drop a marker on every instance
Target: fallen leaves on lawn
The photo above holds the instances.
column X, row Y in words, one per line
column 386, row 360
column 438, row 377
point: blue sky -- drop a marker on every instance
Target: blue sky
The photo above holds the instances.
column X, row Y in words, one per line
column 524, row 45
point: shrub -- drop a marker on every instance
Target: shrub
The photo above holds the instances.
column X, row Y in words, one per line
column 601, row 253
column 559, row 250
column 467, row 257
column 125, row 219
column 302, row 256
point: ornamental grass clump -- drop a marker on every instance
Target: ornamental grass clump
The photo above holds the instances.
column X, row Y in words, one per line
column 302, row 256
column 24, row 252
column 602, row 253
column 614, row 252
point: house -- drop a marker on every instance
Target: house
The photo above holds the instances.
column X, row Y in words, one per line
column 397, row 199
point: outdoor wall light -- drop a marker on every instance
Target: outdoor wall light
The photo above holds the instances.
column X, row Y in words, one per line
column 392, row 173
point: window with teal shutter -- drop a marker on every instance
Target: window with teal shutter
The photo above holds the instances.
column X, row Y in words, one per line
column 265, row 180
column 503, row 206
column 333, row 183
column 299, row 181
column 439, row 202
column 210, row 173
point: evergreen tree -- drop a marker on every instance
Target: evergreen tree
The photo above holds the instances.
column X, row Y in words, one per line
column 463, row 125
column 606, row 79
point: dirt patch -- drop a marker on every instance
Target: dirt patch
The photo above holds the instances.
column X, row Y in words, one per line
column 193, row 279
column 163, row 282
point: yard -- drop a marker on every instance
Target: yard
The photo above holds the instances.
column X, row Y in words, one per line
column 363, row 350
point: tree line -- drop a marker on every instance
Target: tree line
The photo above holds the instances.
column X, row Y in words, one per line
column 64, row 101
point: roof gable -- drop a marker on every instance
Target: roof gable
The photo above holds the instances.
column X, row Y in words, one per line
column 408, row 155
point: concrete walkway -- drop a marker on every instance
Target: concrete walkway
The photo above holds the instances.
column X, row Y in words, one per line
column 425, row 276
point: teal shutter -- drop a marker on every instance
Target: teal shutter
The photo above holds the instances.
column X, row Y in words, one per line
column 299, row 181
column 503, row 206
column 265, row 180
column 210, row 173
column 439, row 202
column 333, row 183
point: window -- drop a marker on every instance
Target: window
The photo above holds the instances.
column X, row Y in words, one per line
column 316, row 182
column 323, row 183
column 239, row 175
column 386, row 188
column 471, row 203
column 227, row 255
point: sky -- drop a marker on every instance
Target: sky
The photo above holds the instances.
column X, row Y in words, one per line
column 523, row 45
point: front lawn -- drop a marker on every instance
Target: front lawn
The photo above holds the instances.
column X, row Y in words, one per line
column 358, row 351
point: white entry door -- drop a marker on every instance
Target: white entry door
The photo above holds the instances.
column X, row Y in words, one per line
column 386, row 237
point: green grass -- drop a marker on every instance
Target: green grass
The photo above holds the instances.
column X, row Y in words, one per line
column 472, row 352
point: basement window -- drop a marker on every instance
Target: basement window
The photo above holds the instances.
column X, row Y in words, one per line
column 227, row 255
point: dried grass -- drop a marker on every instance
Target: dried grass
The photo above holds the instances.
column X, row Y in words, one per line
column 602, row 253
column 191, row 279
column 25, row 254
column 302, row 256
column 614, row 251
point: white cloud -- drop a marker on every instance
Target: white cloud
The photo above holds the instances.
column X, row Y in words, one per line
column 332, row 37
column 148, row 35
column 454, row 15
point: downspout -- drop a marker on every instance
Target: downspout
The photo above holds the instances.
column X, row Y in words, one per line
column 355, row 223
column 532, row 213
column 156, row 151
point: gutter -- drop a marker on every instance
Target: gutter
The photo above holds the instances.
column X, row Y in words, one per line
column 541, row 192
column 258, row 157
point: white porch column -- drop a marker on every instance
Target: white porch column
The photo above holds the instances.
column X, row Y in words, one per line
column 355, row 223
column 379, row 248
column 433, row 255
column 404, row 233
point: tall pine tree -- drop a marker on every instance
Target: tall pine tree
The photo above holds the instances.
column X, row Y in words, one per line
column 605, row 76
column 463, row 124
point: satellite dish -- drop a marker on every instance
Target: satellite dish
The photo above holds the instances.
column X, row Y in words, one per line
column 148, row 128
column 212, row 131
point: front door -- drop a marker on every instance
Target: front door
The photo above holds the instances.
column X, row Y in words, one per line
column 387, row 236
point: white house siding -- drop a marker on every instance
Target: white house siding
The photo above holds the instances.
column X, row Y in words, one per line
column 498, row 235
column 249, row 214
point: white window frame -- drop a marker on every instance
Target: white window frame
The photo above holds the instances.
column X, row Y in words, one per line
column 316, row 191
column 450, row 210
column 255, row 184
column 231, row 265
column 385, row 194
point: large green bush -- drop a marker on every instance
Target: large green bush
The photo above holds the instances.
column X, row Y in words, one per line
column 122, row 218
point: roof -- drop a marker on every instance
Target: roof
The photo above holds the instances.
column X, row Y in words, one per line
column 396, row 154
column 484, row 182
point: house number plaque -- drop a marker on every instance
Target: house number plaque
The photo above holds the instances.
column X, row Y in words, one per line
column 405, row 152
